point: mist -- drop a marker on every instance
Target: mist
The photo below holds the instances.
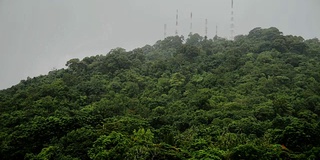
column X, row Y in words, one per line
column 37, row 36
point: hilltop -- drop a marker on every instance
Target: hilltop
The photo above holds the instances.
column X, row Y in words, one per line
column 257, row 97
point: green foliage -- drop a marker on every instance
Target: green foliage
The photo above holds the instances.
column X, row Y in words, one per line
column 247, row 151
column 113, row 146
column 257, row 97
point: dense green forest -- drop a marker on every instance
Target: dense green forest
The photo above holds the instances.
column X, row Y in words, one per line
column 257, row 97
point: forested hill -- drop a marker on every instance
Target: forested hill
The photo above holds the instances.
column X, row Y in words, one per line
column 257, row 97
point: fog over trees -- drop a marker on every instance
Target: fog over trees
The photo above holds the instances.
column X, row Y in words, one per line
column 39, row 36
column 194, row 97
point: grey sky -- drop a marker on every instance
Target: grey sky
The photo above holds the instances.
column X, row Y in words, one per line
column 39, row 35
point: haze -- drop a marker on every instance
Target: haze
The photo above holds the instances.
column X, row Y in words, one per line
column 37, row 36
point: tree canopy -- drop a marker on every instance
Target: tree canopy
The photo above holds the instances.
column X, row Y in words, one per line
column 257, row 97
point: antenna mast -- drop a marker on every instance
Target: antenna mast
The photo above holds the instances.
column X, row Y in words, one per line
column 191, row 23
column 206, row 28
column 216, row 30
column 177, row 23
column 165, row 31
column 232, row 22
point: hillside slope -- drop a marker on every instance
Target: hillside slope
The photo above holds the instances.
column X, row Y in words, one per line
column 257, row 97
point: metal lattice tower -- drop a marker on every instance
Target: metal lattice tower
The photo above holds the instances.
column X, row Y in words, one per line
column 191, row 23
column 232, row 22
column 165, row 31
column 216, row 30
column 177, row 18
column 206, row 28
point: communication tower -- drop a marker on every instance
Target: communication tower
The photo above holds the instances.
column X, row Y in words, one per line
column 206, row 28
column 191, row 23
column 216, row 30
column 232, row 23
column 177, row 18
column 165, row 31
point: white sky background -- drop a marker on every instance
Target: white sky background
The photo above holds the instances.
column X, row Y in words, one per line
column 39, row 35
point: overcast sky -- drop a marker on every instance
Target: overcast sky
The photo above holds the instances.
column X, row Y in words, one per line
column 39, row 35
